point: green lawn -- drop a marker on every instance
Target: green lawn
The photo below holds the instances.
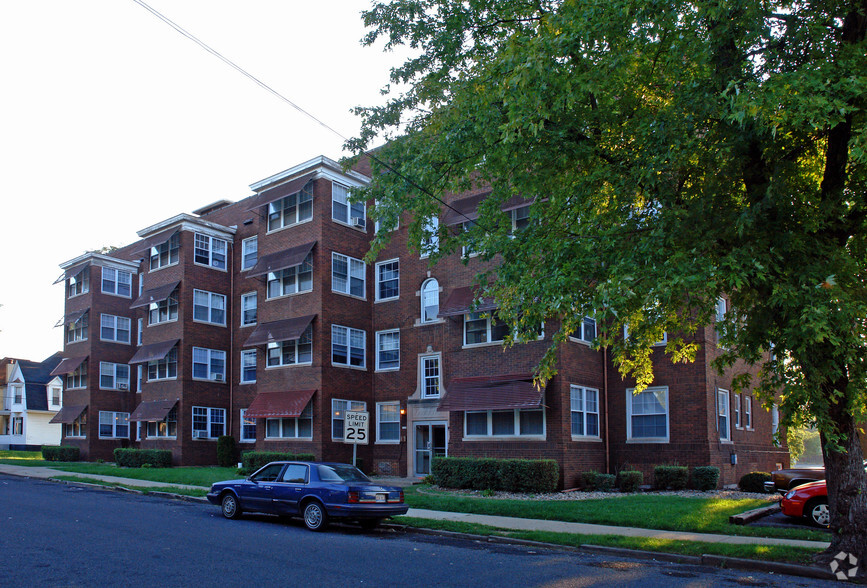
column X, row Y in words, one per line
column 169, row 489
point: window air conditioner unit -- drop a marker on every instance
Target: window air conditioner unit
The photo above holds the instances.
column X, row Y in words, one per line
column 123, row 387
column 358, row 222
column 218, row 377
column 200, row 434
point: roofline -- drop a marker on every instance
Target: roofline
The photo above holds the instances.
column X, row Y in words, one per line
column 182, row 219
column 317, row 162
column 93, row 255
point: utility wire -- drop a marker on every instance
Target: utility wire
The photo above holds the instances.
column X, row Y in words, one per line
column 271, row 90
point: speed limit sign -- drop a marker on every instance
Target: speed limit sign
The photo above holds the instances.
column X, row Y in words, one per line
column 356, row 427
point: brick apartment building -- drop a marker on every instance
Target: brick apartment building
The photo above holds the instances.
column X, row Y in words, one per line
column 259, row 319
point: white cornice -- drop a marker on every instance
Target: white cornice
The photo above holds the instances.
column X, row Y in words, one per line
column 188, row 222
column 324, row 168
column 101, row 260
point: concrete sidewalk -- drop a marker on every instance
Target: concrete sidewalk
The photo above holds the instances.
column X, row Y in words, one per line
column 513, row 523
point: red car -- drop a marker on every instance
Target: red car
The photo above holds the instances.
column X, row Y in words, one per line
column 809, row 501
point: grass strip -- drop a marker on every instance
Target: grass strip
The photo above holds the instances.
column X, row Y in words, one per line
column 778, row 553
column 169, row 489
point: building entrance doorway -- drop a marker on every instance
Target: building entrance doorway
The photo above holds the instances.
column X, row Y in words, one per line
column 430, row 441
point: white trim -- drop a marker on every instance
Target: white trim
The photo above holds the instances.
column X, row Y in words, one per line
column 188, row 222
column 376, row 336
column 377, row 282
column 629, row 398
column 379, row 422
column 725, row 436
column 325, row 168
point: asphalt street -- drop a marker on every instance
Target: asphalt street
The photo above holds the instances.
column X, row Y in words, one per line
column 65, row 535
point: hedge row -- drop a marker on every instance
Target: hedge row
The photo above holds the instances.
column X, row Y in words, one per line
column 483, row 473
column 61, row 453
column 754, row 481
column 665, row 477
column 253, row 460
column 136, row 458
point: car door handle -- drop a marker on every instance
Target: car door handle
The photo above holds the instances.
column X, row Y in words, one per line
column 266, row 487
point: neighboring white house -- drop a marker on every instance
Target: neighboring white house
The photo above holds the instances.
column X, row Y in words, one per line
column 30, row 399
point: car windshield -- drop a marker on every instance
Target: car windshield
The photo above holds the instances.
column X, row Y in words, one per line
column 341, row 473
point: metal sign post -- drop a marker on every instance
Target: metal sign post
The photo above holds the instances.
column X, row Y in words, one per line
column 356, row 425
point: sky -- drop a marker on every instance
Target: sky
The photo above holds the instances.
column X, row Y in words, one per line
column 111, row 121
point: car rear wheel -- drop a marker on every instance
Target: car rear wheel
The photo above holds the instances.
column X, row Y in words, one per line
column 817, row 512
column 315, row 517
column 229, row 506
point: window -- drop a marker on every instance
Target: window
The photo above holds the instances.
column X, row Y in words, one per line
column 139, row 329
column 662, row 341
column 388, row 350
column 430, row 241
column 720, row 317
column 347, row 275
column 248, row 366
column 113, row 425
column 483, row 327
column 208, row 423
column 722, row 411
column 164, row 311
column 249, row 252
column 114, row 328
column 748, row 411
column 168, row 427
column 292, row 279
column 79, row 283
column 291, row 428
column 55, row 396
column 209, row 307
column 587, row 331
column 210, row 251
column 17, row 425
column 775, row 420
column 78, row 427
column 520, row 218
column 292, row 352
column 388, row 422
column 209, row 364
column 139, row 377
column 430, row 376
column 342, row 210
column 430, row 300
column 78, row 378
column 77, row 330
column 379, row 223
column 249, row 313
column 248, row 428
column 165, row 368
column 647, row 415
column 504, row 423
column 347, row 346
column 737, row 412
column 388, row 279
column 116, row 282
column 166, row 253
column 338, row 408
column 113, row 376
column 585, row 411
column 291, row 210
column 17, row 394
column 470, row 249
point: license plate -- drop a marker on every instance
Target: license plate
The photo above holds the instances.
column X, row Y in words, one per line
column 382, row 497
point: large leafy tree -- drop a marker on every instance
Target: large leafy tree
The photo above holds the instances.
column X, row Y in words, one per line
column 676, row 151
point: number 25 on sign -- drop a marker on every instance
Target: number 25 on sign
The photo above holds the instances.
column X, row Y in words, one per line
column 356, row 427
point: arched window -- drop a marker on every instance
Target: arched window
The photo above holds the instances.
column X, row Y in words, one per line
column 430, row 300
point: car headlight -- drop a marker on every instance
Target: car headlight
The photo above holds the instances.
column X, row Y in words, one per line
column 789, row 494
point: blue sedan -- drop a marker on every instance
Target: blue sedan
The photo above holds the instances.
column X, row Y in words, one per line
column 314, row 491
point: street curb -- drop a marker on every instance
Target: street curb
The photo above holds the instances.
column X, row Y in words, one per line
column 171, row 495
column 752, row 515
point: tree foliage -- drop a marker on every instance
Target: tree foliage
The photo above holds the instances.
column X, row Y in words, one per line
column 675, row 152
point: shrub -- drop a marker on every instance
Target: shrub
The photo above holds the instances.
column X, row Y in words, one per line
column 226, row 451
column 670, row 476
column 253, row 460
column 605, row 482
column 60, row 453
column 587, row 480
column 705, row 478
column 512, row 475
column 754, row 481
column 136, row 458
column 630, row 480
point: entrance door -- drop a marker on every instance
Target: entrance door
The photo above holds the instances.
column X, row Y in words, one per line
column 430, row 441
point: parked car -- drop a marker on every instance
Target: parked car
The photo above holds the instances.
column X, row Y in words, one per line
column 809, row 501
column 314, row 491
column 784, row 480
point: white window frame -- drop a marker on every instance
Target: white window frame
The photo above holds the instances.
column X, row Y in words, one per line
column 430, row 241
column 113, row 324
column 297, row 201
column 353, row 267
column 78, row 428
column 424, row 378
column 17, row 393
column 306, row 340
column 209, row 244
column 340, row 196
column 736, row 410
column 169, row 363
column 290, row 427
column 111, row 370
column 583, row 332
column 214, row 417
column 247, row 308
column 155, row 432
column 246, row 354
column 467, row 250
column 516, row 425
column 115, row 420
column 488, row 317
column 392, row 418
column 723, row 415
column 630, row 398
column 244, row 428
column 338, row 408
column 578, row 403
column 139, row 323
column 249, row 247
column 380, row 281
column 77, row 378
column 77, row 287
column 377, row 224
column 211, row 307
column 748, row 412
column 170, row 305
column 279, row 276
column 348, row 333
column 428, row 292
column 380, row 338
column 213, row 356
column 77, row 330
column 115, row 291
column 721, row 309
column 55, row 396
column 513, row 218
column 171, row 249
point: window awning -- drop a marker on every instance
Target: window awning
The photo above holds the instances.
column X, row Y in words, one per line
column 460, row 302
column 72, row 317
column 153, row 352
column 274, row 262
column 68, row 365
column 153, row 411
column 281, row 191
column 282, row 330
column 72, row 272
column 154, row 295
column 68, row 414
column 155, row 241
column 492, row 393
column 467, row 209
column 269, row 405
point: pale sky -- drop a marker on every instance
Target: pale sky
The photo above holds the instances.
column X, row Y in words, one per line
column 113, row 121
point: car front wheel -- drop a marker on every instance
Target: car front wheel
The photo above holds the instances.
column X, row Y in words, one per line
column 817, row 512
column 230, row 507
column 315, row 517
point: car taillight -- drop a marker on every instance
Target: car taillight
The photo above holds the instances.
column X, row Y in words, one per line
column 401, row 496
column 352, row 497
